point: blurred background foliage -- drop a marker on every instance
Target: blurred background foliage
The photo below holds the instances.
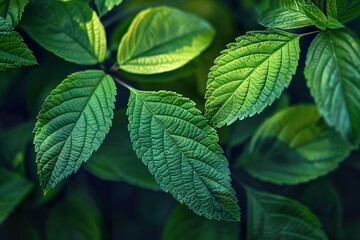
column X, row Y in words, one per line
column 113, row 196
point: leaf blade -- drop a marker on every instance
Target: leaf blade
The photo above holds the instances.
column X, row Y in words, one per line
column 105, row 6
column 163, row 39
column 236, row 89
column 74, row 31
column 12, row 10
column 72, row 124
column 181, row 151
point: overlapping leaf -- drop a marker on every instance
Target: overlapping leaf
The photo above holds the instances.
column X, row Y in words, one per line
column 13, row 51
column 185, row 225
column 163, row 39
column 180, row 149
column 275, row 217
column 250, row 75
column 285, row 149
column 333, row 75
column 105, row 6
column 286, row 14
column 12, row 10
column 71, row 30
column 343, row 10
column 72, row 124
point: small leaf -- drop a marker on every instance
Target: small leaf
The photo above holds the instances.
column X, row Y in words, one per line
column 13, row 51
column 12, row 10
column 275, row 217
column 71, row 30
column 105, row 6
column 72, row 123
column 13, row 189
column 285, row 149
column 116, row 160
column 180, row 149
column 185, row 225
column 333, row 75
column 163, row 39
column 343, row 10
column 250, row 75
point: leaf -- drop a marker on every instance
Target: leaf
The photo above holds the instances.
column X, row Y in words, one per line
column 13, row 51
column 74, row 218
column 285, row 148
column 105, row 6
column 71, row 30
column 162, row 39
column 332, row 72
column 12, row 10
column 250, row 75
column 9, row 199
column 286, row 14
column 72, row 124
column 343, row 10
column 275, row 217
column 185, row 225
column 180, row 149
column 116, row 160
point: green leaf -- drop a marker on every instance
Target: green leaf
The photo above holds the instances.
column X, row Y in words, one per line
column 76, row 217
column 12, row 10
column 13, row 51
column 250, row 75
column 71, row 30
column 275, row 217
column 285, row 149
column 180, row 149
column 333, row 75
column 185, row 225
column 163, row 39
column 343, row 10
column 72, row 123
column 286, row 14
column 105, row 6
column 13, row 189
column 116, row 160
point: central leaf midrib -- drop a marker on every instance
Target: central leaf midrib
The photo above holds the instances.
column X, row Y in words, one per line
column 252, row 71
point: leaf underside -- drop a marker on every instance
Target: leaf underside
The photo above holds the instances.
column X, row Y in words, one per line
column 250, row 75
column 333, row 75
column 285, row 149
column 71, row 30
column 180, row 149
column 163, row 39
column 13, row 51
column 275, row 217
column 72, row 123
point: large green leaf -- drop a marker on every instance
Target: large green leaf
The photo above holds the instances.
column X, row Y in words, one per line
column 250, row 75
column 333, row 75
column 343, row 10
column 13, row 189
column 273, row 217
column 72, row 124
column 116, row 160
column 185, row 225
column 13, row 51
column 286, row 14
column 294, row 146
column 105, row 6
column 76, row 217
column 12, row 10
column 163, row 39
column 180, row 149
column 71, row 30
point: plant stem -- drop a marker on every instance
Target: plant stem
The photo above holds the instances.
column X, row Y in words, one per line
column 121, row 15
column 122, row 83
